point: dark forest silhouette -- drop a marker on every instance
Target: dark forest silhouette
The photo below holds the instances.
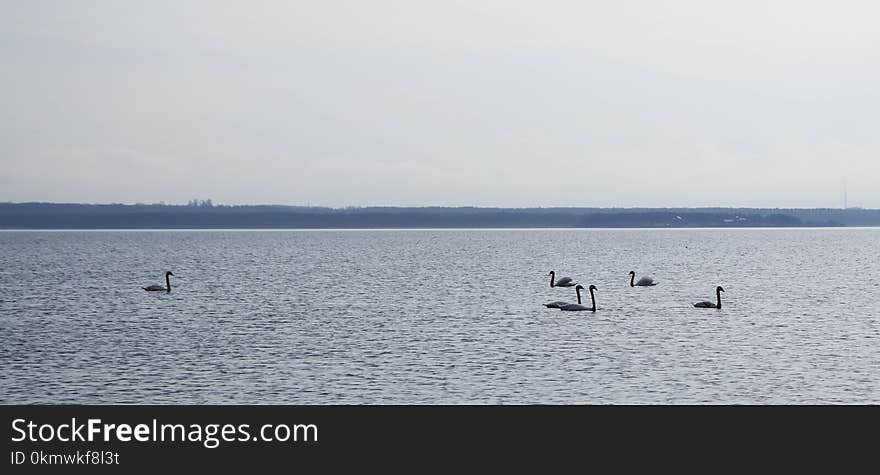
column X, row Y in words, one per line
column 204, row 214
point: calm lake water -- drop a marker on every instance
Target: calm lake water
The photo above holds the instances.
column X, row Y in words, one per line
column 439, row 316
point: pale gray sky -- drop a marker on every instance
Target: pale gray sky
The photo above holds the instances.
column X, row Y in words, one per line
column 488, row 103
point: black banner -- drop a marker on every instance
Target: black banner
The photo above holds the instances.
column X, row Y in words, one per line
column 122, row 438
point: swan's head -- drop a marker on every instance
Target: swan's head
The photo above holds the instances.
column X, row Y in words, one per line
column 169, row 273
column 551, row 273
column 579, row 287
column 719, row 289
column 632, row 272
column 593, row 287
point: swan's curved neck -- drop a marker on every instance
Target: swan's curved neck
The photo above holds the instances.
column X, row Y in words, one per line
column 167, row 282
column 593, row 298
column 718, row 294
column 552, row 279
column 632, row 280
column 579, row 295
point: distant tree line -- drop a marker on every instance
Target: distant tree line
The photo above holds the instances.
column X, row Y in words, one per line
column 666, row 219
column 205, row 214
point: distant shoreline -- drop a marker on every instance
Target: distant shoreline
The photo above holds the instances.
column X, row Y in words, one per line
column 205, row 216
column 147, row 230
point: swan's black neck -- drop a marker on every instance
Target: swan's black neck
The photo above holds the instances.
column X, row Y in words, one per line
column 593, row 298
column 578, row 290
column 552, row 278
column 632, row 280
column 718, row 294
column 167, row 283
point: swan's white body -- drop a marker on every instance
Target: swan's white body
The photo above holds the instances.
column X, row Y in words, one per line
column 157, row 288
column 560, row 304
column 577, row 307
column 562, row 282
column 642, row 282
column 708, row 304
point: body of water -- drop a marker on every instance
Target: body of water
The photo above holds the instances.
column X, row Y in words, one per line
column 439, row 316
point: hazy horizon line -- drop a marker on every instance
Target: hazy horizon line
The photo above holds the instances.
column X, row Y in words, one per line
column 210, row 203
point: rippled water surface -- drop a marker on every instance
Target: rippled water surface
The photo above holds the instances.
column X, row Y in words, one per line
column 439, row 316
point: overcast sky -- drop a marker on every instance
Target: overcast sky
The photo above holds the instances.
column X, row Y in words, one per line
column 488, row 103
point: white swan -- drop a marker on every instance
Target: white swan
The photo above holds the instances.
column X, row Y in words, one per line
column 559, row 303
column 708, row 304
column 575, row 307
column 643, row 282
column 154, row 288
column 563, row 282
